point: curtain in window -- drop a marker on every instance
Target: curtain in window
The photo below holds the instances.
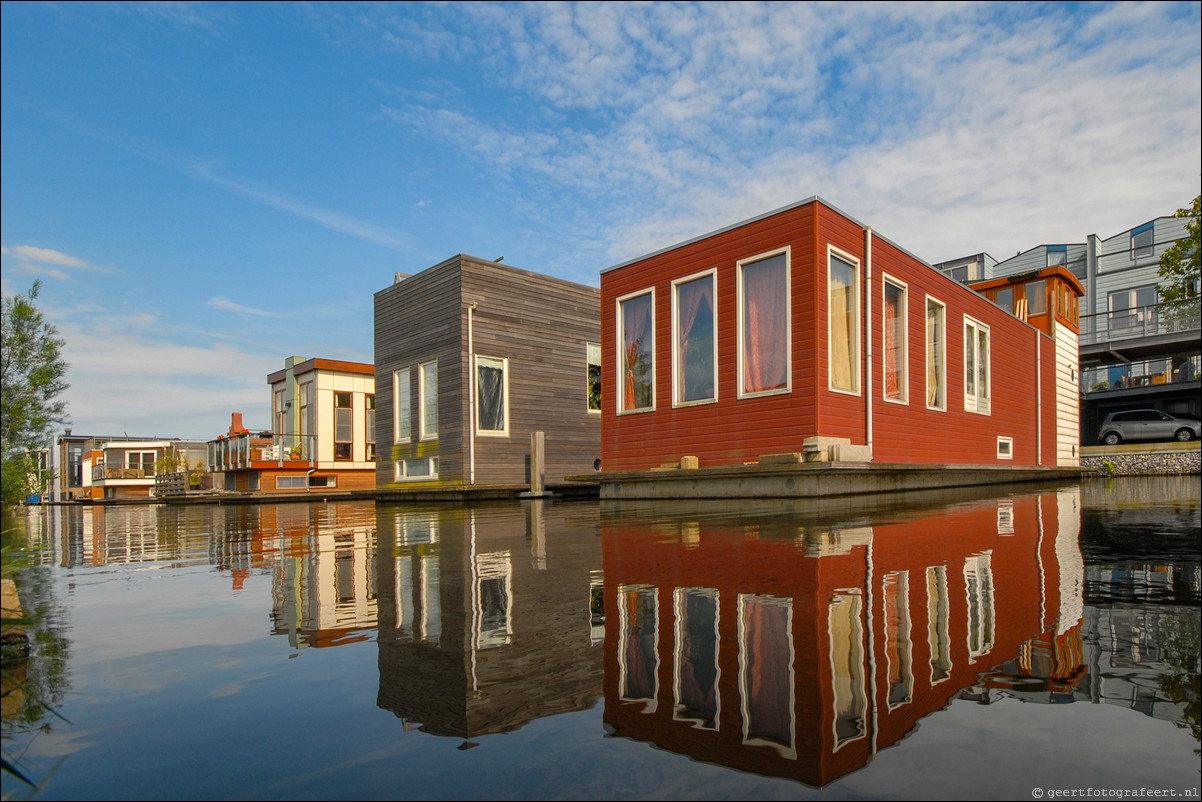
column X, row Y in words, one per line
column 768, row 682
column 636, row 352
column 843, row 324
column 490, row 392
column 695, row 339
column 765, row 325
column 934, row 368
column 894, row 337
column 639, row 656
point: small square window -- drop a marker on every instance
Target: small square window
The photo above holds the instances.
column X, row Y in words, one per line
column 1005, row 448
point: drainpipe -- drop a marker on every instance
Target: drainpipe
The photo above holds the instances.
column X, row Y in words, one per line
column 471, row 400
column 1038, row 404
column 868, row 339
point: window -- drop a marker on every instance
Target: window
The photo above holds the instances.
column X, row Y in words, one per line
column 279, row 412
column 1133, row 308
column 1036, row 293
column 593, row 356
column 766, row 672
column 289, row 482
column 429, row 400
column 140, row 461
column 636, row 339
column 976, row 366
column 343, row 426
column 938, row 638
column 844, row 319
column 697, row 669
column 845, row 628
column 1057, row 255
column 308, row 421
column 369, row 425
column 936, row 355
column 402, row 429
column 694, row 346
column 417, row 468
column 764, row 325
column 896, row 343
column 1005, row 448
column 1141, row 241
column 1005, row 299
column 492, row 396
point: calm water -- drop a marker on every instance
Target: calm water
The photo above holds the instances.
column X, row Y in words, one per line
column 910, row 648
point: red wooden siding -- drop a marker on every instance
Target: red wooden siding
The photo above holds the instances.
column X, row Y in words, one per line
column 733, row 431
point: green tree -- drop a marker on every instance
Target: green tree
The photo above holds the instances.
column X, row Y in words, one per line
column 32, row 379
column 1180, row 268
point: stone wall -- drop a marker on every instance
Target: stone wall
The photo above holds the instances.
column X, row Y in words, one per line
column 1143, row 463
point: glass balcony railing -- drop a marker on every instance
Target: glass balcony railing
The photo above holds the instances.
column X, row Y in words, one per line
column 1148, row 373
column 246, row 450
column 1141, row 321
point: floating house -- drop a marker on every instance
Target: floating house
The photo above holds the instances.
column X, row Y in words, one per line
column 322, row 436
column 801, row 335
column 474, row 358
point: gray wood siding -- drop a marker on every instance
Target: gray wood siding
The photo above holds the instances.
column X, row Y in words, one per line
column 542, row 326
column 416, row 321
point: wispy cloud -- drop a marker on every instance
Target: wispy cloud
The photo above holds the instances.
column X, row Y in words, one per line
column 225, row 304
column 47, row 262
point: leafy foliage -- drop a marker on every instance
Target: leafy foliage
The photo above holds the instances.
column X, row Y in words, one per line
column 1180, row 265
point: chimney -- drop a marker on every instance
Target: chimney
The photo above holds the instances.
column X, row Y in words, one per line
column 236, row 426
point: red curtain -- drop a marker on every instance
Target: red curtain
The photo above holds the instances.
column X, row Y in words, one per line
column 765, row 325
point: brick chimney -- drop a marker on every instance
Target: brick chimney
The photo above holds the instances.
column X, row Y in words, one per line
column 236, row 426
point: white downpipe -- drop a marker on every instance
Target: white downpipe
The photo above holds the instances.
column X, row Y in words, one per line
column 868, row 339
column 1038, row 404
column 471, row 400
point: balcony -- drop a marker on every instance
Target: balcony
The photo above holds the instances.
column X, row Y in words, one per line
column 261, row 450
column 100, row 473
column 1148, row 373
column 1140, row 332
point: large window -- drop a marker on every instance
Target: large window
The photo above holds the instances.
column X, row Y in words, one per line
column 936, row 355
column 1036, row 293
column 694, row 346
column 896, row 342
column 369, row 425
column 492, row 396
column 844, row 324
column 308, row 421
column 1142, row 244
column 976, row 366
column 429, row 400
column 1133, row 309
column 402, row 429
column 142, row 461
column 343, row 426
column 593, row 357
column 279, row 412
column 636, row 344
column 764, row 325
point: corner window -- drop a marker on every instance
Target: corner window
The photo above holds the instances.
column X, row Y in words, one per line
column 1142, row 244
column 976, row 366
column 343, row 426
column 636, row 344
column 402, row 429
column 593, row 357
column 429, row 400
column 764, row 325
column 843, row 300
column 492, row 396
column 896, row 342
column 936, row 355
column 694, row 346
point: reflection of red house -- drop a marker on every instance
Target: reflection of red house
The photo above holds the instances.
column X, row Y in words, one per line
column 799, row 652
column 802, row 324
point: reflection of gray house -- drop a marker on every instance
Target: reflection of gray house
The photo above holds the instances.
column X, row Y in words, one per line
column 472, row 358
column 1136, row 352
column 486, row 618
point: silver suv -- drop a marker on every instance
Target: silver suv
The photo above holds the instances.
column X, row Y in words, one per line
column 1147, row 424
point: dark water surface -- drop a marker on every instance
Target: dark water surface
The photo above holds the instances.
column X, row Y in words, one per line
column 996, row 646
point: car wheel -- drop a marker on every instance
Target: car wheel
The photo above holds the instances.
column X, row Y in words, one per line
column 1112, row 439
column 1184, row 435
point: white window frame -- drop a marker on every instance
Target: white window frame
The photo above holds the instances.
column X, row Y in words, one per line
column 401, row 388
column 423, row 416
column 739, row 323
column 588, row 382
column 620, row 386
column 977, row 401
column 940, row 404
column 676, row 388
column 504, row 364
column 1143, row 251
column 904, row 378
column 854, row 346
column 1005, row 447
column 401, row 471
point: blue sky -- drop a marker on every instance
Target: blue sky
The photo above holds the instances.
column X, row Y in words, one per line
column 205, row 189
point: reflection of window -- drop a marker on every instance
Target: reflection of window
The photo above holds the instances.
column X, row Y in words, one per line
column 638, row 655
column 978, row 584
column 898, row 649
column 764, row 324
column 844, row 300
column 636, row 352
column 429, row 397
column 596, row 607
column 936, row 355
column 369, row 425
column 415, row 568
column 937, row 624
column 896, row 342
column 494, row 602
column 976, row 366
column 343, row 427
column 766, row 671
column 1037, row 297
column 430, row 625
column 402, row 429
column 1141, row 241
column 492, row 396
column 594, row 376
column 847, row 666
column 694, row 346
column 695, row 684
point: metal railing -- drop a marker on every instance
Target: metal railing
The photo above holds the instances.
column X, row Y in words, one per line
column 1141, row 321
column 243, row 450
column 1148, row 373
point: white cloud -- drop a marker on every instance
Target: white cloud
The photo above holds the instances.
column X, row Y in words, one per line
column 225, row 304
column 46, row 261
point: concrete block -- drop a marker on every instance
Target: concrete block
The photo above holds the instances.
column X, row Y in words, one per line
column 842, row 452
column 791, row 458
column 688, row 463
